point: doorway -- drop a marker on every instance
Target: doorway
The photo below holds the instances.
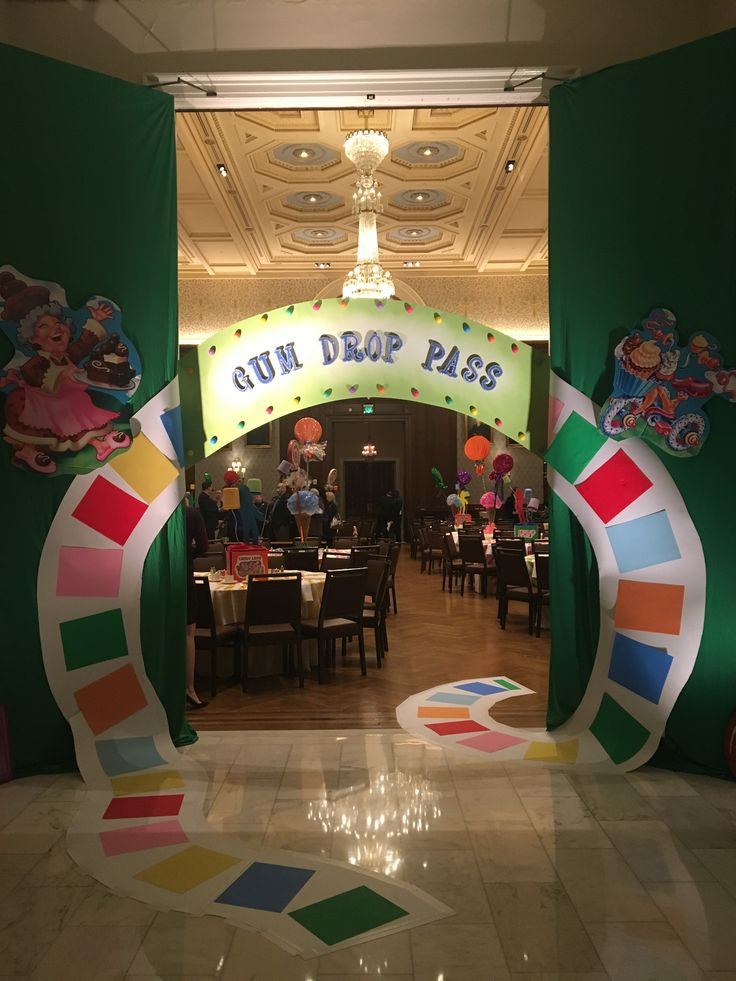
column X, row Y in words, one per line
column 366, row 482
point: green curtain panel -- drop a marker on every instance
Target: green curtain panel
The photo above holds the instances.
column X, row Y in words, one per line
column 643, row 215
column 88, row 201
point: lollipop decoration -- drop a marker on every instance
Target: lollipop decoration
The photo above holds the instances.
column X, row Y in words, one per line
column 306, row 445
column 476, row 449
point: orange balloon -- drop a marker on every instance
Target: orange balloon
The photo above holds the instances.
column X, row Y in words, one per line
column 477, row 448
column 307, row 430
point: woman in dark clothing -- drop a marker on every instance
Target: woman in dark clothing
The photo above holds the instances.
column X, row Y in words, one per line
column 208, row 508
column 508, row 508
column 283, row 524
column 329, row 513
column 197, row 545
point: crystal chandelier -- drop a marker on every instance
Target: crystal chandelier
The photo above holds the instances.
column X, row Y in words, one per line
column 369, row 450
column 366, row 148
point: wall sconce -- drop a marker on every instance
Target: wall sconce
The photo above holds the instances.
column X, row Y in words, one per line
column 236, row 466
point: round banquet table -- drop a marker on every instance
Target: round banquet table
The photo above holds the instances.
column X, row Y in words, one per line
column 228, row 604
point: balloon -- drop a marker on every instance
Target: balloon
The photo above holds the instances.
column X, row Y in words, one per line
column 454, row 501
column 332, row 476
column 479, row 468
column 293, row 452
column 477, row 448
column 307, row 430
column 503, row 463
column 230, row 478
column 463, row 478
column 438, row 481
column 488, row 500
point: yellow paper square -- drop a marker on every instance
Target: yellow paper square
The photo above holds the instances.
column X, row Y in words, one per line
column 145, row 468
column 189, row 868
column 553, row 752
column 144, row 783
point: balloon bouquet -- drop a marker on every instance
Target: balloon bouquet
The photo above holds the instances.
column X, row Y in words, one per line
column 476, row 450
column 304, row 502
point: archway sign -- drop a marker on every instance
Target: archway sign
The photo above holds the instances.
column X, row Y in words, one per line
column 310, row 353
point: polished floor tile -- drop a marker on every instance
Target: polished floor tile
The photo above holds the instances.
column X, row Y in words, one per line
column 552, row 875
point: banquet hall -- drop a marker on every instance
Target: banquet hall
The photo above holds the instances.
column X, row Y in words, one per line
column 370, row 596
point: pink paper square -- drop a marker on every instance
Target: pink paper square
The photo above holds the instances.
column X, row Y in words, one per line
column 140, row 837
column 111, row 511
column 88, row 571
column 555, row 408
column 491, row 742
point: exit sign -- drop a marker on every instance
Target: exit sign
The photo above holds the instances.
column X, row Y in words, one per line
column 368, row 409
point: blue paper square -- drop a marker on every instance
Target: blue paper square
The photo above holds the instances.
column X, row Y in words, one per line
column 481, row 688
column 118, row 756
column 265, row 886
column 453, row 698
column 171, row 420
column 643, row 542
column 639, row 667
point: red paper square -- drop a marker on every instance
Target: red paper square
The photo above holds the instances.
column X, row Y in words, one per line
column 452, row 728
column 151, row 805
column 613, row 486
column 109, row 510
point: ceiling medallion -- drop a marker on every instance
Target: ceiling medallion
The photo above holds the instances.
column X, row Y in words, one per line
column 366, row 148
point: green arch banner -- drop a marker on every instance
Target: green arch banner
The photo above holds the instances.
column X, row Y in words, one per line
column 310, row 353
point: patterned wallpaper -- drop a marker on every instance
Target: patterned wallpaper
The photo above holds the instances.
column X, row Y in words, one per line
column 513, row 304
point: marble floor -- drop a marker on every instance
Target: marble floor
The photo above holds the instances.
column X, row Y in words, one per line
column 553, row 876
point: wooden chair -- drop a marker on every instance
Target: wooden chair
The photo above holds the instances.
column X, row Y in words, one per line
column 434, row 549
column 273, row 616
column 540, row 546
column 452, row 564
column 474, row 561
column 541, row 564
column 359, row 555
column 213, row 558
column 514, row 584
column 374, row 612
column 340, row 614
column 334, row 560
column 209, row 636
column 302, row 559
column 512, row 544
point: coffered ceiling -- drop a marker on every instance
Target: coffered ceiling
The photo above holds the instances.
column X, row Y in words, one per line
column 284, row 200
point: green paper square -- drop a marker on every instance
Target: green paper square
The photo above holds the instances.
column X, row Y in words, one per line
column 618, row 732
column 93, row 639
column 505, row 684
column 574, row 447
column 347, row 914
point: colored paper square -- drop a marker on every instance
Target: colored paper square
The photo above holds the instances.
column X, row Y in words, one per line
column 110, row 510
column 266, row 886
column 346, row 915
column 505, row 684
column 443, row 712
column 153, row 805
column 619, row 733
column 93, row 639
column 88, row 571
column 565, row 752
column 126, row 755
column 491, row 742
column 639, row 667
column 453, row 698
column 110, row 699
column 453, row 728
column 574, row 447
column 144, row 783
column 140, row 837
column 145, row 468
column 555, row 410
column 171, row 421
column 615, row 485
column 187, row 869
column 652, row 606
column 480, row 688
column 643, row 542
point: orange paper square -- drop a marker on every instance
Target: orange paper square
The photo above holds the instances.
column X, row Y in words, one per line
column 443, row 712
column 652, row 606
column 110, row 699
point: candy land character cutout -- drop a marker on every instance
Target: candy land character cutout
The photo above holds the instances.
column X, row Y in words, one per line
column 48, row 410
column 659, row 388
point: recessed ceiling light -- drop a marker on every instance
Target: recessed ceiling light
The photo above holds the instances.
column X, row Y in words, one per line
column 222, row 170
column 320, row 233
column 429, row 151
column 312, row 197
column 304, row 153
column 414, row 232
column 412, row 263
column 418, row 197
column 510, row 166
column 322, row 265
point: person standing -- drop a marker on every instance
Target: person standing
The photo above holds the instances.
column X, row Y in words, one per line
column 330, row 518
column 197, row 545
column 208, row 508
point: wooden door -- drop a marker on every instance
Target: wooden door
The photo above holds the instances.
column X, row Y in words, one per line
column 366, row 482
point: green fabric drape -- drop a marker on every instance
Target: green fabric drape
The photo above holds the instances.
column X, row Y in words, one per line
column 89, row 201
column 643, row 214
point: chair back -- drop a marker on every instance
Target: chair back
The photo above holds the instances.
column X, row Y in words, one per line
column 275, row 598
column 505, row 532
column 434, row 539
column 512, row 544
column 344, row 595
column 540, row 545
column 394, row 559
column 305, row 559
column 344, row 542
column 205, row 612
column 449, row 548
column 213, row 558
column 335, row 560
column 384, row 547
column 359, row 554
column 541, row 564
column 376, row 581
column 512, row 569
column 472, row 549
